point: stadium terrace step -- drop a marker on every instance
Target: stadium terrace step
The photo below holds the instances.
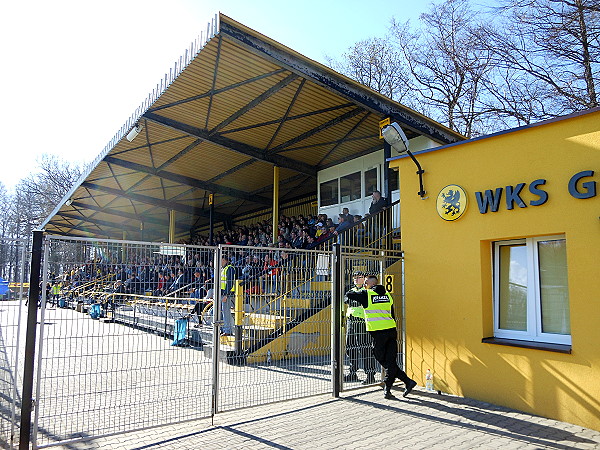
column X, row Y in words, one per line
column 291, row 302
column 321, row 286
column 266, row 320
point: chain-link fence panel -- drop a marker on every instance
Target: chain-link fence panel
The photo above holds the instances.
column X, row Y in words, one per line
column 14, row 266
column 119, row 349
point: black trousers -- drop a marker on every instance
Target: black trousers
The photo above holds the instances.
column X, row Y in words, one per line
column 359, row 346
column 385, row 350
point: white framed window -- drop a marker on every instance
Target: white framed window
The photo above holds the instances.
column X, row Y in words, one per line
column 531, row 291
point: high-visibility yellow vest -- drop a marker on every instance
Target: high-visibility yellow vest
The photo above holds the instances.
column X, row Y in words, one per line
column 356, row 311
column 378, row 313
column 224, row 278
column 55, row 289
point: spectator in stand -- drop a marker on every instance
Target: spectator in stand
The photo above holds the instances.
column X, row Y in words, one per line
column 377, row 203
column 360, row 230
column 346, row 212
column 343, row 224
column 320, row 230
column 196, row 287
column 177, row 283
column 133, row 285
column 296, row 240
column 160, row 285
column 270, row 271
column 327, row 233
column 311, row 242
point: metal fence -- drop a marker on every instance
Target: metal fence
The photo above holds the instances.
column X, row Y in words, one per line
column 98, row 374
column 133, row 335
column 14, row 263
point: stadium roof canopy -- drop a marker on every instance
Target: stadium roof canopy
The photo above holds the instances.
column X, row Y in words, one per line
column 235, row 105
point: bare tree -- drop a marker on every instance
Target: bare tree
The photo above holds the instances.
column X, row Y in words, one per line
column 375, row 63
column 549, row 51
column 450, row 62
column 479, row 69
column 37, row 194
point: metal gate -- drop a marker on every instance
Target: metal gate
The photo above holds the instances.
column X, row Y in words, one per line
column 120, row 350
column 129, row 333
column 388, row 266
column 14, row 264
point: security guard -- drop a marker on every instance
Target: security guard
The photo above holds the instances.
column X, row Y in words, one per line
column 358, row 342
column 227, row 294
column 381, row 325
column 55, row 290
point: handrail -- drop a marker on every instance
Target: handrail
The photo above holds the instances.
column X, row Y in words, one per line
column 369, row 217
column 90, row 283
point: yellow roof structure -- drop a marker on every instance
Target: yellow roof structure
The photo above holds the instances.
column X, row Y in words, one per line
column 236, row 104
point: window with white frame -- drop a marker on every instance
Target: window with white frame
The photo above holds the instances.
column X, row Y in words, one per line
column 531, row 291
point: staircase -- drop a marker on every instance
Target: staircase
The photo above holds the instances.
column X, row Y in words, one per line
column 296, row 318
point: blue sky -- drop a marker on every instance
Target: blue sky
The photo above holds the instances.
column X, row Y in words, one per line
column 73, row 71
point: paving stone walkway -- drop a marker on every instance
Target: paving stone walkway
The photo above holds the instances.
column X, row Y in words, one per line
column 422, row 421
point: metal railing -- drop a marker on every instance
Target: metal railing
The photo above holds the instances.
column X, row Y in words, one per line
column 379, row 231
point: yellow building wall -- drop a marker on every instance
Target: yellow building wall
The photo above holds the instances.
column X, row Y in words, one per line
column 448, row 269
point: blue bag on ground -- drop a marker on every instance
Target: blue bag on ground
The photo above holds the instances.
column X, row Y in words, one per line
column 95, row 311
column 180, row 331
column 62, row 303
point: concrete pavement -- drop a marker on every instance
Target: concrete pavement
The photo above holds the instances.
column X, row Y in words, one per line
column 423, row 420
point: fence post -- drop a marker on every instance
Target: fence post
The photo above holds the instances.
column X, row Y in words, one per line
column 34, row 295
column 337, row 361
column 216, row 329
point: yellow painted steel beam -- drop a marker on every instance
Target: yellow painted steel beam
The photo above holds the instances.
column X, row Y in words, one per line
column 275, row 202
column 172, row 226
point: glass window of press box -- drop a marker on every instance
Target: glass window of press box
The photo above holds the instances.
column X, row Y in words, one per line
column 350, row 188
column 329, row 193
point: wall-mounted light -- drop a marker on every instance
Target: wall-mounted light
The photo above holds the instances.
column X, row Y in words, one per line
column 134, row 132
column 394, row 136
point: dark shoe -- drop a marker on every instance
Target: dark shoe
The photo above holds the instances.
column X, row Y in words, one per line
column 387, row 393
column 351, row 377
column 369, row 380
column 409, row 387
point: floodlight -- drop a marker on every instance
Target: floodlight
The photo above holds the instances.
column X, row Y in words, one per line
column 396, row 138
column 134, row 132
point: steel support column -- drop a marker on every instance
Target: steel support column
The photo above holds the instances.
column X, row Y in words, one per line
column 172, row 226
column 275, row 203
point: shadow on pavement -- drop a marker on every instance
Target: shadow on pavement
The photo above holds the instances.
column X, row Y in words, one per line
column 491, row 417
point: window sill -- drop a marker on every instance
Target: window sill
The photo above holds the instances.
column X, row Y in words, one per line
column 559, row 348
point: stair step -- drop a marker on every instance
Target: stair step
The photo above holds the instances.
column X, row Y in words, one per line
column 296, row 303
column 265, row 320
column 321, row 285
